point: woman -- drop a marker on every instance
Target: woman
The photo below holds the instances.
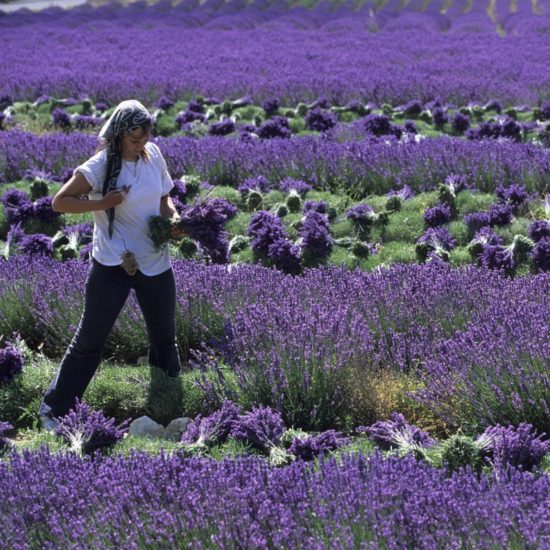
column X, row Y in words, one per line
column 127, row 181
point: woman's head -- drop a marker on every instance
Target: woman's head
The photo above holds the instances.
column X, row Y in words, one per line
column 128, row 129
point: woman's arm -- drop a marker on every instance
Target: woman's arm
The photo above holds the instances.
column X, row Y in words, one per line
column 68, row 198
column 167, row 208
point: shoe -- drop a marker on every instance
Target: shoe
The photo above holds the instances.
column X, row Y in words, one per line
column 48, row 423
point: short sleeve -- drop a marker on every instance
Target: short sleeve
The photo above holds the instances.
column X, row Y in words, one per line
column 94, row 170
column 166, row 179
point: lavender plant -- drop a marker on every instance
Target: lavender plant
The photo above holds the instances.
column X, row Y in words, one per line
column 519, row 446
column 87, row 431
column 11, row 363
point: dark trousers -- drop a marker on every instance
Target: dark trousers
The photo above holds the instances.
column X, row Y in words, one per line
column 107, row 288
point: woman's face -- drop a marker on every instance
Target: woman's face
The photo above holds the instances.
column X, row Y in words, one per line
column 133, row 143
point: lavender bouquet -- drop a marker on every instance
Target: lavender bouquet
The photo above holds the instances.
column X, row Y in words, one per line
column 203, row 222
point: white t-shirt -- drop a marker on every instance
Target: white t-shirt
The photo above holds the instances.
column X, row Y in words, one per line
column 150, row 181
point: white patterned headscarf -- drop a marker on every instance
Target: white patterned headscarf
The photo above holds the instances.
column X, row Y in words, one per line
column 127, row 117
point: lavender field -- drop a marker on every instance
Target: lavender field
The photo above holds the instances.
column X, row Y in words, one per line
column 363, row 289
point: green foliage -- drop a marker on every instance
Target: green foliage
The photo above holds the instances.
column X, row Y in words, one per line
column 459, row 230
column 405, row 226
column 20, row 398
column 230, row 194
column 460, row 256
column 120, row 391
column 468, row 202
column 460, row 451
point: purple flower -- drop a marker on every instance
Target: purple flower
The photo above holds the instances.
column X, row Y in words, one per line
column 101, row 106
column 42, row 209
column 179, row 190
column 196, row 106
column 460, row 123
column 205, row 223
column 320, row 121
column 497, row 257
column 493, row 105
column 361, row 213
column 410, row 127
column 500, row 214
column 437, row 215
column 412, row 108
column 321, row 103
column 288, row 184
column 285, row 255
column 487, row 236
column 164, row 103
column 17, row 206
column 83, row 231
column 541, row 255
column 222, row 128
column 261, row 428
column 390, row 434
column 37, row 244
column 15, row 236
column 378, row 125
column 87, row 430
column 213, row 429
column 311, row 446
column 539, row 229
column 260, row 183
column 271, row 106
column 190, row 116
column 438, row 237
column 87, row 121
column 440, row 117
column 515, row 195
column 276, row 127
column 61, row 118
column 315, row 237
column 518, row 447
column 405, row 193
column 5, row 101
column 86, row 252
column 315, row 206
column 4, row 442
column 265, row 228
column 476, row 220
column 11, row 363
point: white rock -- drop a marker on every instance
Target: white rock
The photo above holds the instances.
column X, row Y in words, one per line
column 146, row 426
column 176, row 428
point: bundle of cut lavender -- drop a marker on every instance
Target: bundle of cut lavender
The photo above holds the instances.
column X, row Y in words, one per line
column 203, row 222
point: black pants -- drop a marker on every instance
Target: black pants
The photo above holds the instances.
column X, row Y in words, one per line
column 107, row 289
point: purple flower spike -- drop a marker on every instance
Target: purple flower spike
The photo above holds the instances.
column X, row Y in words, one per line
column 289, row 184
column 437, row 215
column 212, row 429
column 262, row 428
column 87, row 430
column 393, row 433
column 539, row 229
column 312, row 446
column 518, row 447
column 541, row 255
column 11, row 363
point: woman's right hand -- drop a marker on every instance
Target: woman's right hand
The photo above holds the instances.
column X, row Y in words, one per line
column 113, row 198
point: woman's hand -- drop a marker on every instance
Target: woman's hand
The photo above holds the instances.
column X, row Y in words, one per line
column 176, row 233
column 113, row 198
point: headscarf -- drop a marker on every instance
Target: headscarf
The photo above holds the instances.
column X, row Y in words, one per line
column 128, row 116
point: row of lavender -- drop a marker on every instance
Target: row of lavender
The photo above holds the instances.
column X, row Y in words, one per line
column 144, row 501
column 477, row 341
column 359, row 168
column 259, row 53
